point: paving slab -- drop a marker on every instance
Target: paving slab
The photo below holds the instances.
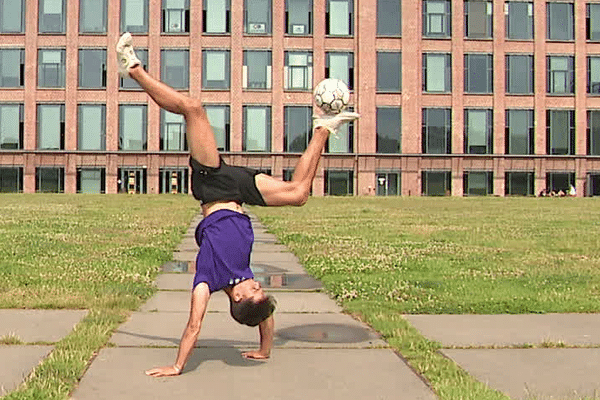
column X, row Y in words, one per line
column 39, row 325
column 534, row 373
column 220, row 330
column 188, row 255
column 273, row 282
column 17, row 362
column 268, row 247
column 274, row 257
column 506, row 330
column 292, row 374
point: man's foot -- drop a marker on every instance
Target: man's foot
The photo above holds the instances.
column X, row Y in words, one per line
column 125, row 55
column 332, row 122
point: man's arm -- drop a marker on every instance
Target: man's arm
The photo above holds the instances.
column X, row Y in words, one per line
column 200, row 297
column 267, row 332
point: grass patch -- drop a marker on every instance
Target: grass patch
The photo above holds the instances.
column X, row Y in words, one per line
column 11, row 338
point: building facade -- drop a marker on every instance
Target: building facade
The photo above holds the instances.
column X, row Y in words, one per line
column 456, row 97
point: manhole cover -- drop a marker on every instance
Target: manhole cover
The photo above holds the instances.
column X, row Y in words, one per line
column 325, row 333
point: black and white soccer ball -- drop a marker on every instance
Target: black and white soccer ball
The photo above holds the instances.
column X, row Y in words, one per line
column 332, row 95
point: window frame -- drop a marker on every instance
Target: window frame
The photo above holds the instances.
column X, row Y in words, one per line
column 387, row 12
column 60, row 69
column 60, row 184
column 470, row 73
column 489, row 132
column 289, row 129
column 42, row 28
column 268, row 127
column 20, row 134
column 488, row 19
column 570, row 150
column 306, row 71
column 104, row 18
column 224, row 142
column 5, row 186
column 83, row 73
column 83, row 121
column 593, row 132
column 21, row 66
column 350, row 67
column 508, row 75
column 216, row 84
column 469, row 191
column 385, row 72
column 530, row 21
column 550, row 33
column 184, row 17
column 330, row 16
column 290, row 27
column 447, row 177
column 102, row 180
column 509, row 128
column 40, row 127
column 349, row 178
column 165, row 138
column 380, row 117
column 205, row 19
column 508, row 183
column 144, row 128
column 11, row 18
column 569, row 76
column 446, row 21
column 255, row 28
column 247, row 68
column 144, row 28
column 426, row 130
column 447, row 72
column 166, row 74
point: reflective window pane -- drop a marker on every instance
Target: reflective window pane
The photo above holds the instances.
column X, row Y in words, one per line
column 519, row 132
column 518, row 184
column 339, row 17
column 339, row 183
column 298, row 15
column 560, row 138
column 389, row 20
column 437, row 74
column 12, row 67
column 478, row 131
column 519, row 74
column 174, row 68
column 132, row 127
column 52, row 16
column 389, row 71
column 257, row 16
column 51, row 126
column 128, row 83
column 12, row 16
column 218, row 116
column 478, row 19
column 134, row 16
column 436, row 18
column 560, row 21
column 560, row 75
column 11, row 126
column 50, row 180
column 257, row 69
column 91, row 132
column 298, row 70
column 435, row 183
column 593, row 21
column 92, row 16
column 593, row 131
column 340, row 66
column 298, row 125
column 216, row 16
column 478, row 73
column 436, row 131
column 176, row 16
column 593, row 84
column 92, row 68
column 11, row 179
column 51, row 68
column 172, row 131
column 216, row 69
column 91, row 180
column 389, row 131
column 519, row 20
column 257, row 128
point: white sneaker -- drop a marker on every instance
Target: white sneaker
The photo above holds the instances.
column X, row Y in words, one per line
column 125, row 55
column 332, row 122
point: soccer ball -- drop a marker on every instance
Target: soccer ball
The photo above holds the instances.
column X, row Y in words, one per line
column 332, row 95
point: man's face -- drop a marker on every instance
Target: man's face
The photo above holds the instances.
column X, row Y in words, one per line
column 249, row 289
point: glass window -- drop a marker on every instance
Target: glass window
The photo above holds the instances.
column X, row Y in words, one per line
column 436, row 18
column 51, row 68
column 50, row 180
column 257, row 16
column 12, row 16
column 216, row 15
column 519, row 20
column 257, row 69
column 298, row 70
column 560, row 21
column 173, row 180
column 92, row 16
column 218, row 116
column 437, row 73
column 389, row 71
column 478, row 183
column 593, row 183
column 340, row 66
column 519, row 74
column 339, row 183
column 216, row 69
column 132, row 180
column 593, row 72
column 520, row 132
column 175, row 68
column 128, row 83
column 593, row 132
column 91, row 132
column 388, row 183
column 478, row 131
column 51, row 126
column 560, row 138
column 298, row 125
column 257, row 128
column 389, row 131
column 172, row 131
column 298, row 17
column 561, row 75
column 92, row 68
column 176, row 16
column 132, row 127
column 436, row 183
column 91, row 180
column 389, row 18
column 437, row 131
column 560, row 181
column 478, row 19
column 52, row 16
column 518, row 184
column 479, row 73
column 337, row 22
column 12, row 67
column 11, row 126
column 343, row 141
column 134, row 16
column 11, row 179
column 593, row 21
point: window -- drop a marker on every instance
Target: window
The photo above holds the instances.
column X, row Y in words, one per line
column 11, row 126
column 389, row 71
column 50, row 180
column 389, row 18
column 12, row 16
column 132, row 127
column 560, row 21
column 340, row 66
column 560, row 181
column 298, row 70
column 215, row 17
column 132, row 180
column 91, row 180
column 593, row 72
column 436, row 19
column 388, row 184
column 298, row 124
column 11, row 179
column 343, row 140
column 518, row 183
column 478, row 183
column 478, row 19
column 12, row 68
column 128, row 83
column 175, row 67
column 51, row 68
column 339, row 183
column 215, row 68
column 52, row 16
column 561, row 75
column 478, row 131
column 218, row 116
column 520, row 132
column 298, row 17
column 257, row 69
column 593, row 132
column 519, row 20
column 176, row 16
column 92, row 16
column 519, row 74
column 257, row 128
column 436, row 183
column 560, row 132
column 172, row 131
column 479, row 73
column 389, row 132
column 134, row 16
column 173, row 180
column 593, row 21
column 92, row 68
column 437, row 73
column 51, row 126
column 257, row 17
column 91, row 127
column 437, row 131
column 337, row 24
column 593, row 184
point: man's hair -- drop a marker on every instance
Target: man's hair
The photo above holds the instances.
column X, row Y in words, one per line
column 247, row 312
